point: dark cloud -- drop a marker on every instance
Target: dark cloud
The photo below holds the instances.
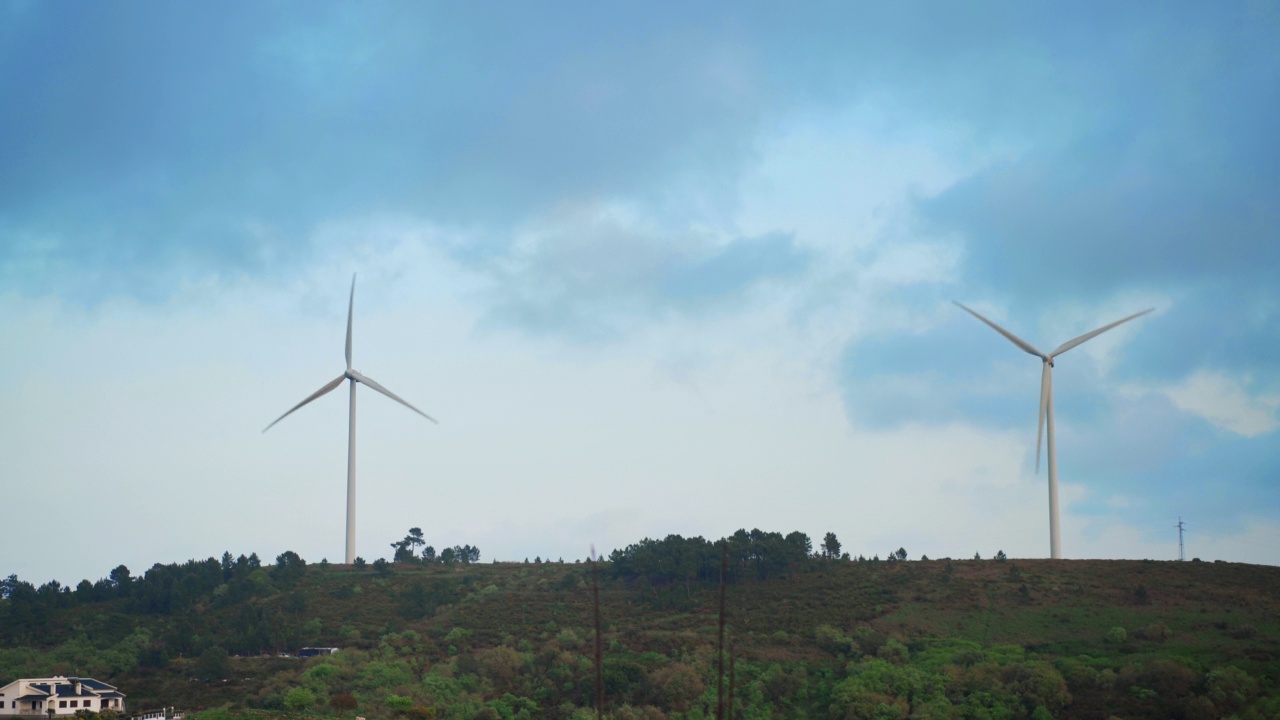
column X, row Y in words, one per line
column 152, row 136
column 1167, row 170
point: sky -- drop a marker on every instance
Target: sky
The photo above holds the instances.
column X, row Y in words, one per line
column 655, row 267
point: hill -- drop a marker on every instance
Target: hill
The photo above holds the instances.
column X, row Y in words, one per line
column 812, row 637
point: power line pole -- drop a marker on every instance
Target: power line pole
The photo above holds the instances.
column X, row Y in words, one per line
column 1180, row 527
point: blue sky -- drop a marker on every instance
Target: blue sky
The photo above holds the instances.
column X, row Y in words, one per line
column 656, row 268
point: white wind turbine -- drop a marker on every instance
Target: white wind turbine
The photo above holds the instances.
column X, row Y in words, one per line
column 355, row 377
column 1046, row 409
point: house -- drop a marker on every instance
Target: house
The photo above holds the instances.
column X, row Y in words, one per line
column 58, row 695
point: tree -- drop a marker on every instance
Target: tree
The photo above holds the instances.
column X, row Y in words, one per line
column 429, row 554
column 466, row 554
column 1000, row 556
column 830, row 546
column 902, row 554
column 123, row 581
column 381, row 566
column 403, row 553
column 289, row 568
column 359, row 563
column 407, row 549
column 213, row 664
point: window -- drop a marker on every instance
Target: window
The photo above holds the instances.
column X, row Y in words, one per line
column 62, row 703
column 74, row 703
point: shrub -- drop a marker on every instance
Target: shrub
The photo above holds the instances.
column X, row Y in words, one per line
column 344, row 702
column 831, row 639
column 1038, row 684
column 1243, row 632
column 1141, row 596
column 568, row 639
column 299, row 699
column 1230, row 688
column 894, row 652
column 440, row 689
column 320, row 673
column 1157, row 632
column 499, row 664
column 1116, row 635
column 378, row 675
column 679, row 685
column 398, row 703
column 456, row 635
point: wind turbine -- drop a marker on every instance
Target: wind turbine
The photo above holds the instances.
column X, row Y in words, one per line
column 1046, row 409
column 355, row 377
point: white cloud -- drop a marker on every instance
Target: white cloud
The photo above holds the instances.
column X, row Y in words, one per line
column 1226, row 403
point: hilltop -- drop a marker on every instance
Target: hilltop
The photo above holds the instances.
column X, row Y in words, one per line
column 812, row 637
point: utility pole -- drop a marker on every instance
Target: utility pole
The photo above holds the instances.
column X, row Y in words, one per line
column 1180, row 526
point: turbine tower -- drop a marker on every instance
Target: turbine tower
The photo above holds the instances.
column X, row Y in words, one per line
column 1046, row 409
column 355, row 377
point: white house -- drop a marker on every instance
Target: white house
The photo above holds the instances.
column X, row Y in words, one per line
column 58, row 696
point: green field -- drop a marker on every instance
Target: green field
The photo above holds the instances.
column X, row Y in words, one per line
column 819, row 639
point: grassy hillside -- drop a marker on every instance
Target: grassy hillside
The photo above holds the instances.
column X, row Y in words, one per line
column 825, row 638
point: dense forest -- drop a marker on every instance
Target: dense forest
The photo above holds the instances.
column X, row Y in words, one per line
column 809, row 634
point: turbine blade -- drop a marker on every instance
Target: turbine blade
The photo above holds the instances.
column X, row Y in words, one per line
column 351, row 304
column 1045, row 385
column 1094, row 333
column 388, row 393
column 1026, row 346
column 327, row 388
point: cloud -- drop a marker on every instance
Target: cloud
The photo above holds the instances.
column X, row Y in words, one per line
column 1225, row 403
column 593, row 271
column 1165, row 173
column 155, row 143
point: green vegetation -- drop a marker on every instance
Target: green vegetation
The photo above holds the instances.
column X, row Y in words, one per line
column 814, row 635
